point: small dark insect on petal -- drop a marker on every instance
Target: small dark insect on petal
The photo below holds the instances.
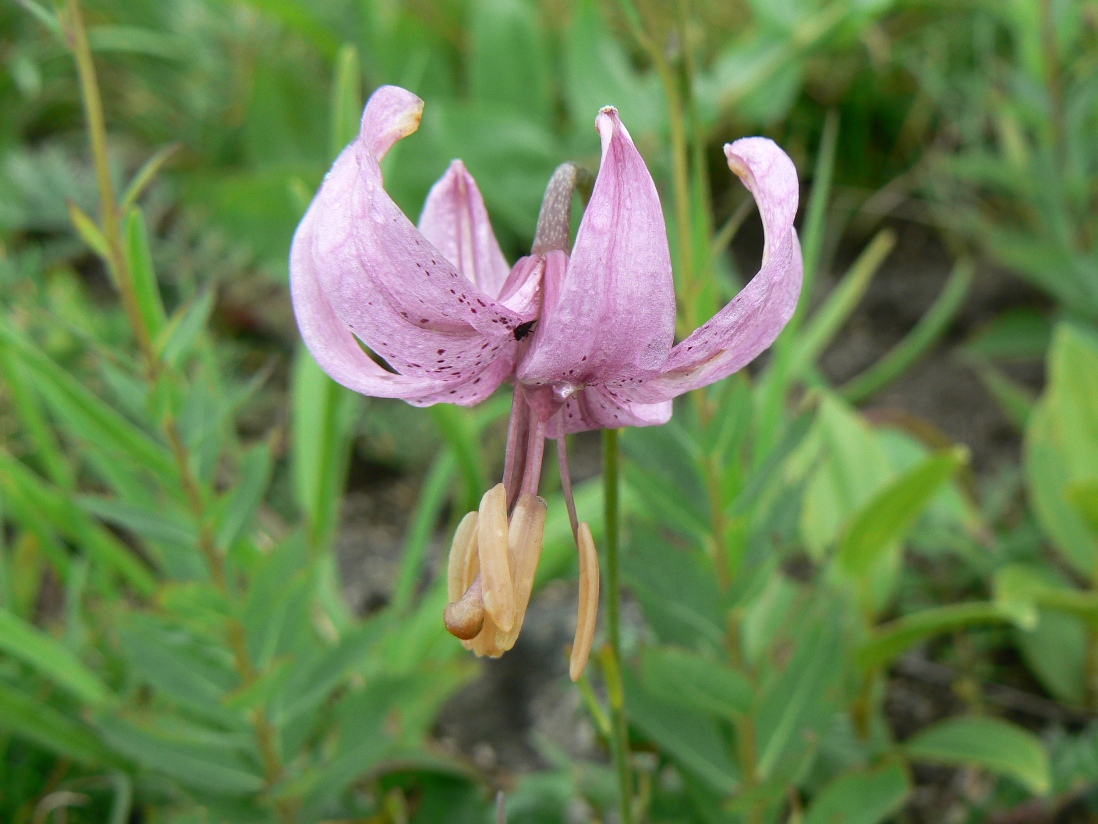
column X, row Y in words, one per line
column 524, row 329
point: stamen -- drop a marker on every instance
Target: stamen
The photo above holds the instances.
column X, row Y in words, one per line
column 495, row 568
column 464, row 548
column 465, row 617
column 588, row 602
column 525, row 537
column 566, row 481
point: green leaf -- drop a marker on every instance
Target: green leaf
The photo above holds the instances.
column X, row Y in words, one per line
column 323, row 419
column 315, row 677
column 1083, row 495
column 178, row 337
column 1056, row 650
column 180, row 666
column 51, row 659
column 799, row 699
column 145, row 174
column 598, row 71
column 508, row 60
column 841, row 302
column 892, row 511
column 88, row 229
column 35, row 720
column 458, row 429
column 861, row 798
column 984, row 742
column 145, row 288
column 1061, row 445
column 677, row 591
column 688, row 737
column 689, row 680
column 346, row 102
column 164, row 525
column 84, row 414
column 56, row 506
column 916, row 343
column 240, row 504
column 205, row 766
column 853, row 468
column 889, row 641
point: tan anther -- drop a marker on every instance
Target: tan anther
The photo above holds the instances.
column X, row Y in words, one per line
column 462, row 552
column 525, row 540
column 588, row 602
column 465, row 617
column 495, row 567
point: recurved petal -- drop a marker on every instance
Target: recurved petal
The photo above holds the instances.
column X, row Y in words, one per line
column 388, row 285
column 613, row 314
column 339, row 354
column 455, row 221
column 752, row 320
column 391, row 113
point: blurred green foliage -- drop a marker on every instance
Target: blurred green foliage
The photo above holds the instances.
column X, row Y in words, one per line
column 174, row 643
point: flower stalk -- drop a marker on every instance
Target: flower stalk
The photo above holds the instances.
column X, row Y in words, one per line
column 612, row 653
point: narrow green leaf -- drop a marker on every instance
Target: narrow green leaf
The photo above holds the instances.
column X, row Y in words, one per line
column 346, row 99
column 206, row 767
column 145, row 287
column 798, row 698
column 87, row 416
column 508, row 62
column 35, row 720
column 151, row 524
column 51, row 659
column 458, row 429
column 861, row 798
column 689, row 737
column 1014, row 398
column 44, row 16
column 916, row 343
column 323, row 421
column 242, row 501
column 100, row 544
column 815, row 215
column 830, row 317
column 689, row 680
column 180, row 666
column 990, row 743
column 890, row 640
column 892, row 511
column 178, row 337
column 88, row 229
column 28, row 405
column 433, row 494
column 145, row 174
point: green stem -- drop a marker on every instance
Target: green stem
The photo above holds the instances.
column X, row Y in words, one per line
column 611, row 656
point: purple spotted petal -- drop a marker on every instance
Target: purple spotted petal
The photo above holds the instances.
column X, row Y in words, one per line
column 360, row 268
column 597, row 407
column 612, row 315
column 752, row 320
column 455, row 221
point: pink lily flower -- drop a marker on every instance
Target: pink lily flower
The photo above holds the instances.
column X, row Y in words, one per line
column 585, row 333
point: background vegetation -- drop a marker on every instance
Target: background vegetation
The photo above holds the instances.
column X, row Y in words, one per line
column 808, row 552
